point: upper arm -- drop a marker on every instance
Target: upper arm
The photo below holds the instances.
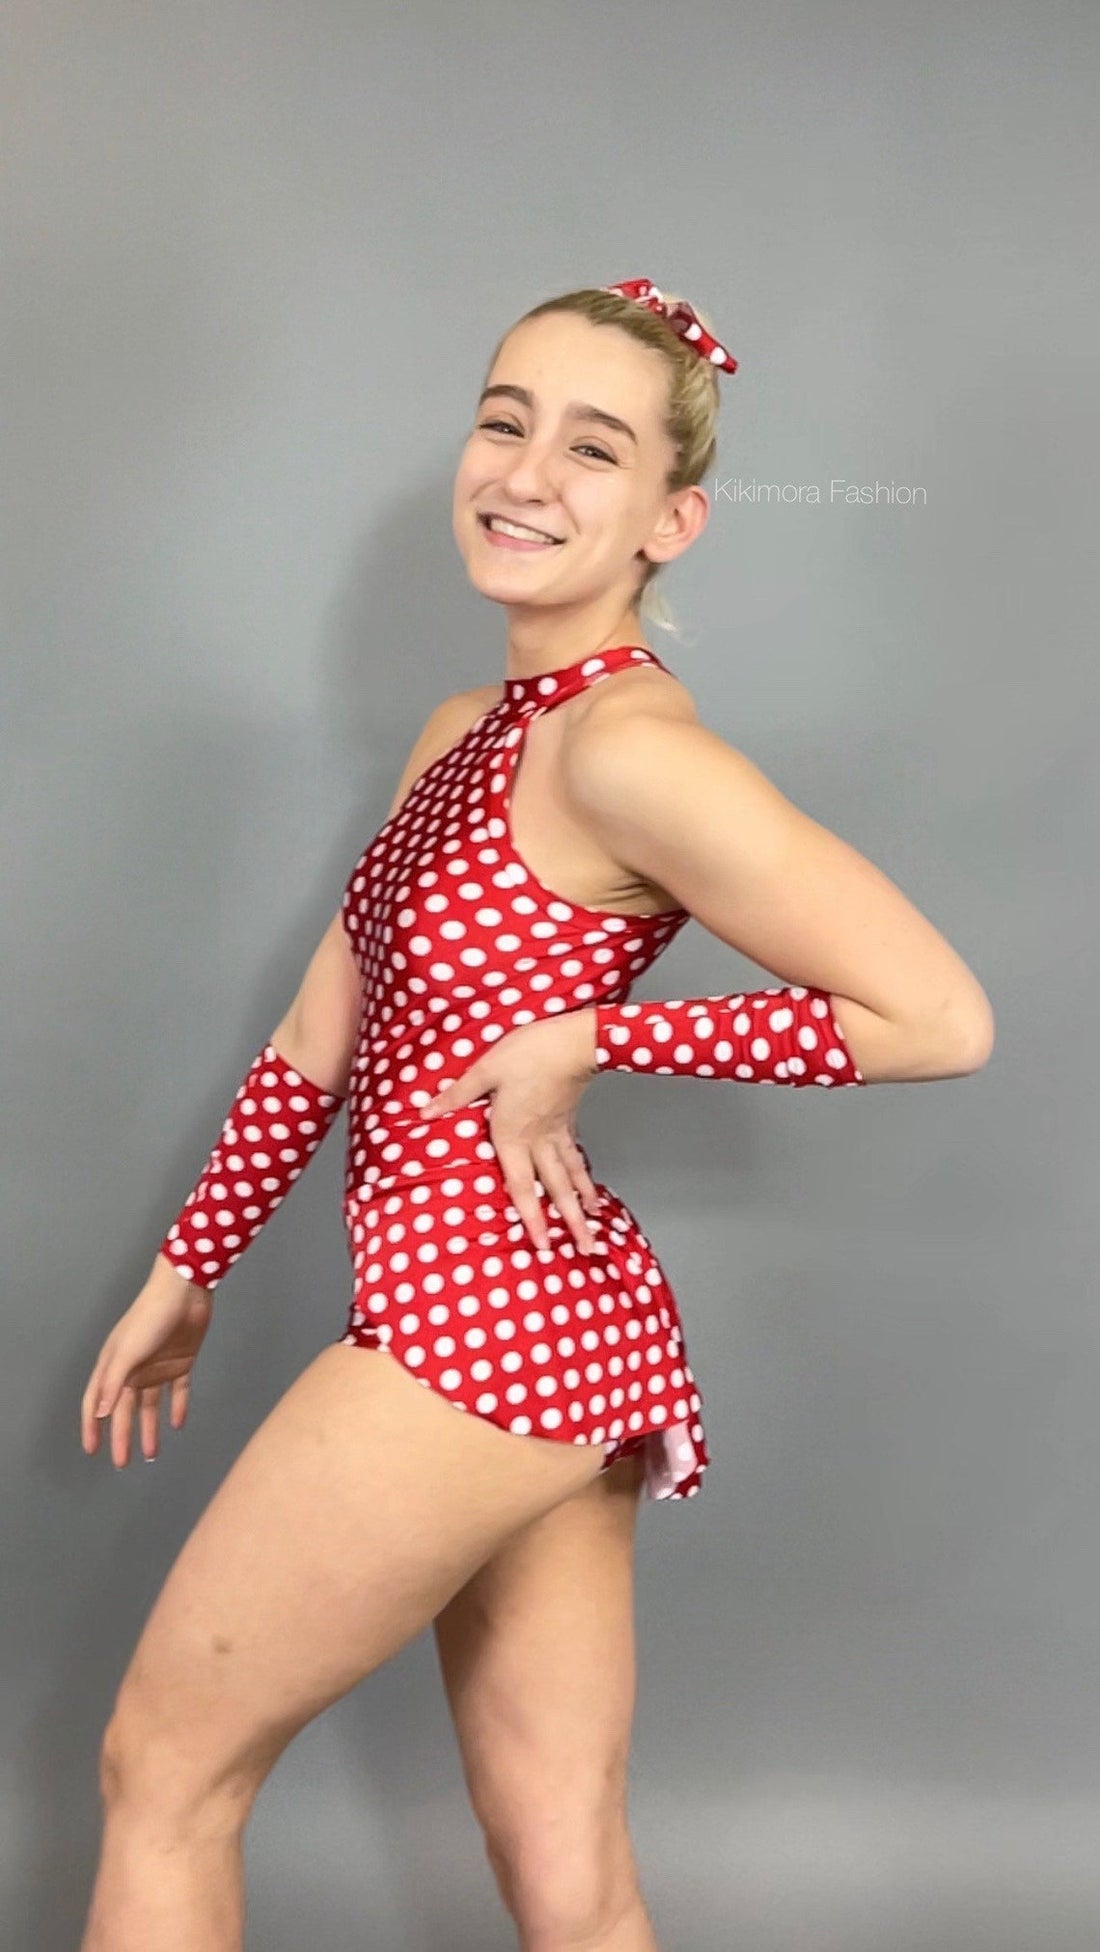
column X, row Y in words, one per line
column 673, row 801
column 320, row 1030
column 321, row 1027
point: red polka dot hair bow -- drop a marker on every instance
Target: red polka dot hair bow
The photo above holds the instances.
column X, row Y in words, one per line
column 680, row 317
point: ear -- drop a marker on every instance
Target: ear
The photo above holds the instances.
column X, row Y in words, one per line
column 684, row 517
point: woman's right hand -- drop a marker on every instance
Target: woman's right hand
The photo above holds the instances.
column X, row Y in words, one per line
column 152, row 1347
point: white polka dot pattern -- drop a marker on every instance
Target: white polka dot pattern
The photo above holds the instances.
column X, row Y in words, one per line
column 681, row 316
column 458, row 942
column 772, row 1036
column 277, row 1121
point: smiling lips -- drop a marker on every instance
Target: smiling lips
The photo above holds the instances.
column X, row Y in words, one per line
column 517, row 532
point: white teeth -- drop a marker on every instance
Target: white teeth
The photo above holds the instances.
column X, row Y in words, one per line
column 515, row 528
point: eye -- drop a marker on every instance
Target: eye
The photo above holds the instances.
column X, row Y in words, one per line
column 507, row 427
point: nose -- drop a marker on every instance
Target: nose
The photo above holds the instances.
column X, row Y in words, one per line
column 531, row 476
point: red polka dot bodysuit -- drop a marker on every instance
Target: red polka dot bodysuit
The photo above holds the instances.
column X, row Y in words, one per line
column 457, row 943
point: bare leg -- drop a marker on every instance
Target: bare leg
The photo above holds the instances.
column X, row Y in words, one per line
column 354, row 1512
column 538, row 1659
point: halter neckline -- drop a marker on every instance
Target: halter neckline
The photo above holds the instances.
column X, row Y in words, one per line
column 545, row 688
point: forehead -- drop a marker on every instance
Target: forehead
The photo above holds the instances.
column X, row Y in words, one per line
column 561, row 357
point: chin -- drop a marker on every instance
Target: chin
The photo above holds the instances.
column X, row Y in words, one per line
column 507, row 579
column 496, row 590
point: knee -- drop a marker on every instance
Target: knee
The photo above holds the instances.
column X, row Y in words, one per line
column 156, row 1772
column 565, row 1869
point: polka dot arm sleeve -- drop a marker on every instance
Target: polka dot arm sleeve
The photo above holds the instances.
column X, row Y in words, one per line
column 773, row 1036
column 275, row 1125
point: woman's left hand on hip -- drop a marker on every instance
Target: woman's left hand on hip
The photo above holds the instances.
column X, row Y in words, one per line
column 536, row 1074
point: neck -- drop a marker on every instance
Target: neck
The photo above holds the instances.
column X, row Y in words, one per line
column 540, row 640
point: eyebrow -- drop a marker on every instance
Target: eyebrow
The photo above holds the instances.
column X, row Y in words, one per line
column 576, row 410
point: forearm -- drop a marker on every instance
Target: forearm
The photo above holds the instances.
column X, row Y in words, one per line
column 792, row 1035
column 318, row 1044
column 278, row 1119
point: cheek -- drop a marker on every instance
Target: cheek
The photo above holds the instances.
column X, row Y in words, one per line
column 467, row 474
column 611, row 524
column 466, row 492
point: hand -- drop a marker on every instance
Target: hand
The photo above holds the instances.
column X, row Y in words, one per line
column 536, row 1074
column 154, row 1343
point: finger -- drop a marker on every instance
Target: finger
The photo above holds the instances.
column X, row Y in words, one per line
column 178, row 1401
column 451, row 1096
column 519, row 1178
column 89, row 1422
column 122, row 1423
column 98, row 1402
column 150, row 1405
column 582, row 1179
column 554, row 1174
column 471, row 1085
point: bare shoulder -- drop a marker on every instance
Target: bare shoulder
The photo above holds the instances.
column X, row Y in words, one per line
column 481, row 698
column 644, row 740
column 457, row 713
column 465, row 706
column 646, row 692
column 636, row 735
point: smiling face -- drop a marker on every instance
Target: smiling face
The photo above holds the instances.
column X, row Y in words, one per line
column 568, row 439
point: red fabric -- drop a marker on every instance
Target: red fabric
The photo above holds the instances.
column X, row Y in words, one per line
column 772, row 1036
column 681, row 317
column 458, row 943
column 277, row 1121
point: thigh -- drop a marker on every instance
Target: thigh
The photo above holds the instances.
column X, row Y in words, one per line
column 359, row 1505
column 537, row 1654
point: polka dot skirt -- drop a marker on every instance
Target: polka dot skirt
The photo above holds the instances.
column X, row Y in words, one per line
column 458, row 943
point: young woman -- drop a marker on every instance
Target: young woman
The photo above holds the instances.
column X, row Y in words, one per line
column 549, row 836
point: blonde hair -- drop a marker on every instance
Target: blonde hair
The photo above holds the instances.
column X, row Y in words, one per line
column 691, row 411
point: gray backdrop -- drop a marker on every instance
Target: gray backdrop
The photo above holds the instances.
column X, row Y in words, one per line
column 255, row 257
